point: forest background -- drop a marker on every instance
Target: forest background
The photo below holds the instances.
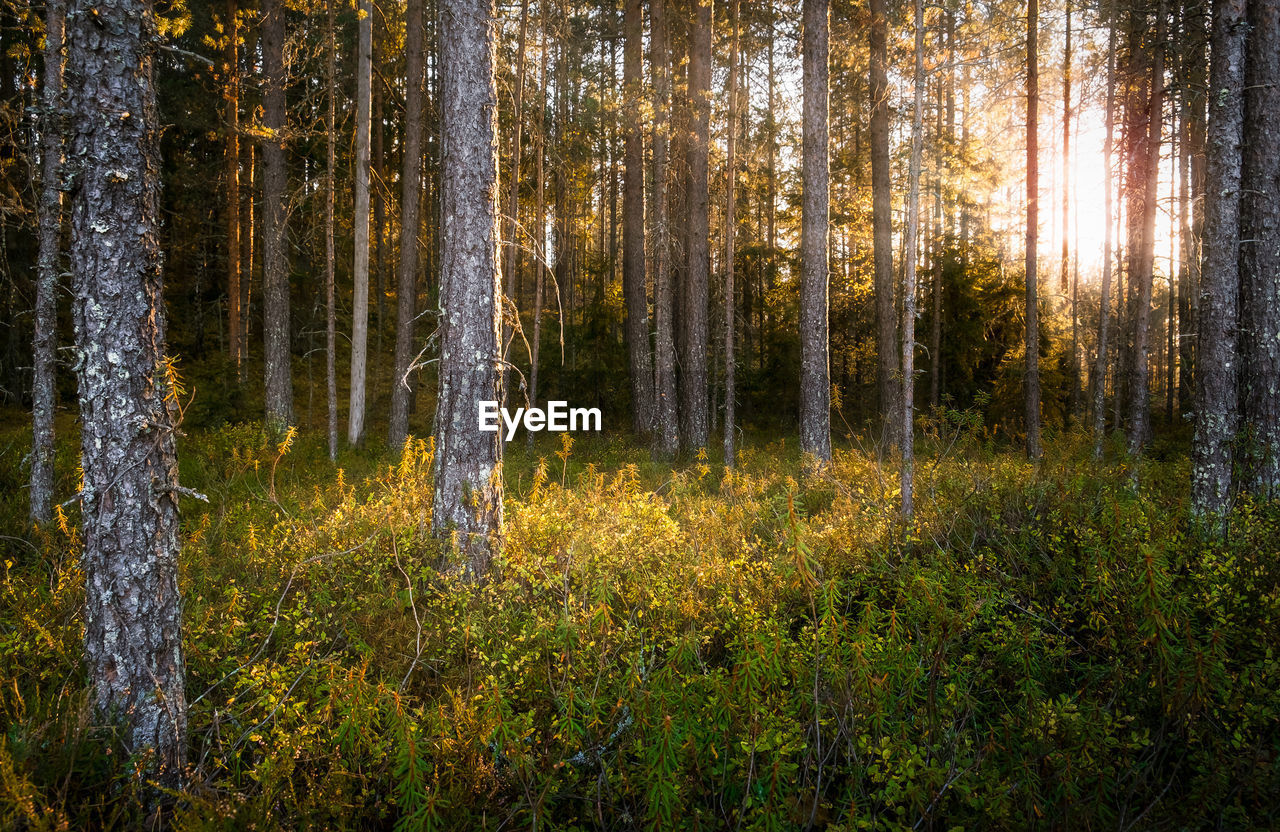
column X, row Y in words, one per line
column 688, row 623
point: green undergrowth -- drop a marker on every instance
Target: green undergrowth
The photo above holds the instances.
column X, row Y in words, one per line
column 677, row 648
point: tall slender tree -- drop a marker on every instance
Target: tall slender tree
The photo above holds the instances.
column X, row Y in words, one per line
column 666, row 433
column 511, row 260
column 888, row 381
column 330, row 252
column 1139, row 364
column 128, row 396
column 730, row 246
column 1217, row 418
column 694, row 422
column 43, row 355
column 1104, row 301
column 467, row 506
column 410, row 202
column 540, row 237
column 360, row 272
column 1260, row 250
column 1031, row 381
column 815, row 382
column 909, row 288
column 276, row 325
column 643, row 405
column 231, row 166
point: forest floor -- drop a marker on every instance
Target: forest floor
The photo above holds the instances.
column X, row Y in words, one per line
column 675, row 647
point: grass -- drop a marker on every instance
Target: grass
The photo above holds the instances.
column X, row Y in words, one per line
column 676, row 647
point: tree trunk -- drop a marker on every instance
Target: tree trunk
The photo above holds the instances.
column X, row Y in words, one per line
column 1194, row 112
column 45, row 336
column 1260, row 250
column 907, row 429
column 693, row 376
column 360, row 272
column 513, row 198
column 1067, row 162
column 1216, row 391
column 330, row 253
column 667, row 435
column 248, row 244
column 1031, row 384
column 633, row 250
column 815, row 381
column 888, row 380
column 276, row 325
column 730, row 249
column 1139, row 367
column 944, row 139
column 231, row 70
column 468, row 476
column 410, row 204
column 378, row 235
column 133, row 613
column 540, row 237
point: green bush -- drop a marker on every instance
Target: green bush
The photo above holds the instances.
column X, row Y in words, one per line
column 679, row 649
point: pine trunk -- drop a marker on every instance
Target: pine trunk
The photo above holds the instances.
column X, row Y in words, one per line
column 907, row 429
column 1139, row 367
column 730, row 250
column 330, row 253
column 1031, row 384
column 539, row 242
column 1260, row 251
column 667, row 432
column 633, row 248
column 815, row 381
column 511, row 260
column 231, row 163
column 45, row 335
column 1100, row 366
column 888, row 378
column 276, row 325
column 468, row 478
column 132, row 609
column 1216, row 392
column 695, row 423
column 360, row 272
column 410, row 205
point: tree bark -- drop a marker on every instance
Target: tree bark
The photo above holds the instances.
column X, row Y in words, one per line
column 468, row 466
column 907, row 429
column 1216, row 391
column 693, row 376
column 133, row 620
column 1064, row 283
column 1031, row 384
column 1194, row 99
column 730, row 246
column 1139, row 367
column 815, row 381
column 513, row 199
column 231, row 70
column 539, row 243
column 276, row 324
column 1104, row 302
column 410, row 205
column 360, row 273
column 633, row 249
column 1260, row 250
column 667, row 432
column 45, row 335
column 330, row 253
column 888, row 380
